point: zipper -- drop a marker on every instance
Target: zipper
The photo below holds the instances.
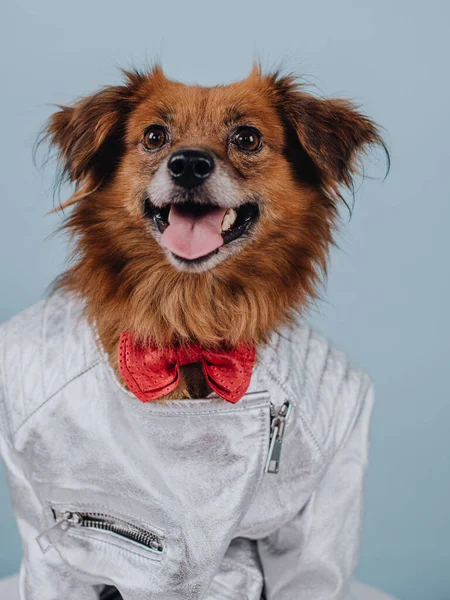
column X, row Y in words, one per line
column 64, row 520
column 277, row 427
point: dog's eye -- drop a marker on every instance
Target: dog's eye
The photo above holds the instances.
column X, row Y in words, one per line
column 155, row 137
column 247, row 139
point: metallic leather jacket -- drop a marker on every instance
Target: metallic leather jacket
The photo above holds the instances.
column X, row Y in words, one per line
column 190, row 499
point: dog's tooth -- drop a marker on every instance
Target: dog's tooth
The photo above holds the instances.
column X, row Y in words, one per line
column 228, row 219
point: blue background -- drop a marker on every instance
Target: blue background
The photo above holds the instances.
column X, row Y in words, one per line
column 388, row 294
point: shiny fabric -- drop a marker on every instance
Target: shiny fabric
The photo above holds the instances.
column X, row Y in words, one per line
column 191, row 472
column 151, row 372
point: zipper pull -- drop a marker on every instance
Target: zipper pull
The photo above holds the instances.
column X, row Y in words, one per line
column 277, row 427
column 53, row 534
column 156, row 545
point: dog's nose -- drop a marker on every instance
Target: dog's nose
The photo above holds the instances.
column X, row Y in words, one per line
column 189, row 168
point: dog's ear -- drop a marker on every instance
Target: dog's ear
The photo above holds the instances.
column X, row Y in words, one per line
column 88, row 135
column 332, row 133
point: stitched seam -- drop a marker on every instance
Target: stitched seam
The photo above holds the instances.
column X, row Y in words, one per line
column 22, row 379
column 364, row 380
column 288, row 338
column 287, row 390
column 294, row 472
column 178, row 413
column 338, row 393
column 92, row 536
column 306, row 381
column 54, row 394
column 210, row 412
column 308, row 348
column 85, row 344
column 64, row 340
column 41, row 353
column 263, row 451
column 326, row 367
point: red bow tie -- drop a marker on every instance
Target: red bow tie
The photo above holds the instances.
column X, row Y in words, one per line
column 151, row 373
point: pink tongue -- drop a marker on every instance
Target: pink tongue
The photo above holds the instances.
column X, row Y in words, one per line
column 192, row 236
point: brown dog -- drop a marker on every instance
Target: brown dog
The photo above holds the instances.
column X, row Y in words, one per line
column 203, row 214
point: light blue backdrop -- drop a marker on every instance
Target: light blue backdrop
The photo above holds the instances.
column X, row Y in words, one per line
column 388, row 295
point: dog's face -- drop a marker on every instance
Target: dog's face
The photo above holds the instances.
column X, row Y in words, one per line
column 207, row 165
column 208, row 209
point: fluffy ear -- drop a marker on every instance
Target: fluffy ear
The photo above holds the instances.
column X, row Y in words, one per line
column 332, row 133
column 89, row 134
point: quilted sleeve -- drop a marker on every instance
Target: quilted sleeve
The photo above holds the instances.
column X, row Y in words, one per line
column 42, row 577
column 314, row 555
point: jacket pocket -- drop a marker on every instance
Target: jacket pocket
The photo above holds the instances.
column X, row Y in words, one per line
column 71, row 519
column 101, row 545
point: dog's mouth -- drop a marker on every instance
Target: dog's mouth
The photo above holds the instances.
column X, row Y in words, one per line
column 194, row 231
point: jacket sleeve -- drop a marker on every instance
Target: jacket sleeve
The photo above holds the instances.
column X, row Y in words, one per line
column 42, row 577
column 313, row 556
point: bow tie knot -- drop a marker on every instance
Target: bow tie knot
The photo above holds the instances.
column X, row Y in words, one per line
column 152, row 373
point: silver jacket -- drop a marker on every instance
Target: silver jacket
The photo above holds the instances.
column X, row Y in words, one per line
column 180, row 500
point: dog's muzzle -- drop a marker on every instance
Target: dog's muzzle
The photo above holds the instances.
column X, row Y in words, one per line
column 197, row 206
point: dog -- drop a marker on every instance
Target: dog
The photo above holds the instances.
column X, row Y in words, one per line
column 254, row 166
column 202, row 220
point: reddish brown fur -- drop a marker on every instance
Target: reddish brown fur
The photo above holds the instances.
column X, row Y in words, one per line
column 310, row 149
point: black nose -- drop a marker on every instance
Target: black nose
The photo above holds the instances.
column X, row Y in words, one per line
column 190, row 167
